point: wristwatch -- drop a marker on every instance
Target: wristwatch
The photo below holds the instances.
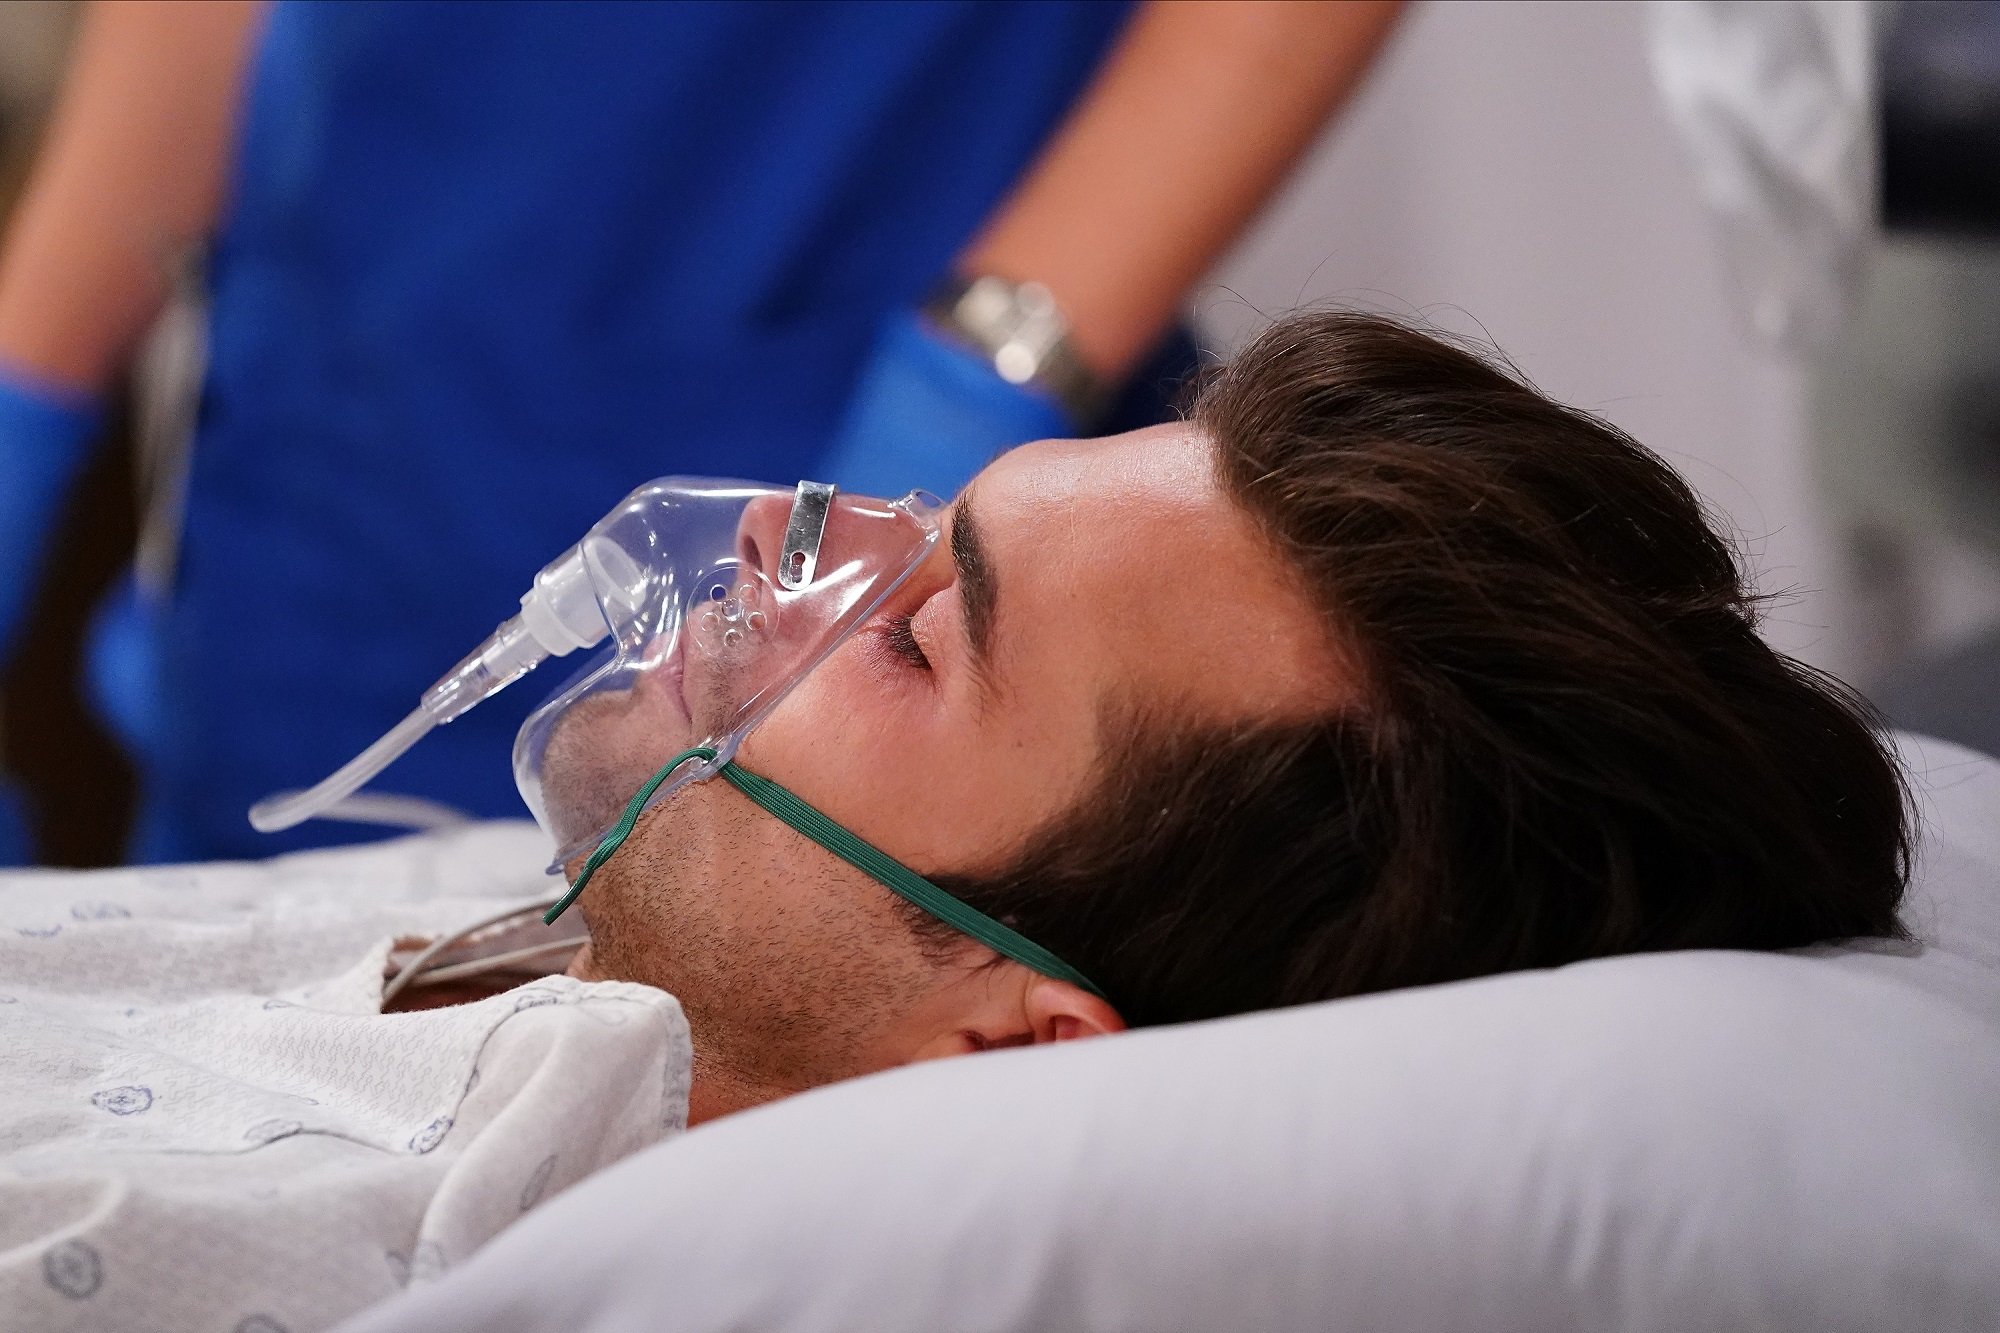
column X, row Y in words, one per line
column 1018, row 327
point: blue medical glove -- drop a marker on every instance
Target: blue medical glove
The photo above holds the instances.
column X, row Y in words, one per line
column 43, row 436
column 121, row 667
column 929, row 413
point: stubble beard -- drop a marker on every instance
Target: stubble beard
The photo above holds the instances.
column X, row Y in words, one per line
column 769, row 1003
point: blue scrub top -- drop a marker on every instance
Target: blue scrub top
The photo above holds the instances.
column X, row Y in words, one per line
column 485, row 269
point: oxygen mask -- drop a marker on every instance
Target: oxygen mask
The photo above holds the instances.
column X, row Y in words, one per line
column 706, row 600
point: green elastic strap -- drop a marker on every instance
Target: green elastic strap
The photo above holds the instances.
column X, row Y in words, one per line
column 622, row 829
column 899, row 879
column 878, row 865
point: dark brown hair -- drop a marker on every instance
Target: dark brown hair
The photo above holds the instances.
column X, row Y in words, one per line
column 1572, row 741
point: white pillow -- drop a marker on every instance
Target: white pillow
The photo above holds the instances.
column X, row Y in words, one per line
column 1683, row 1141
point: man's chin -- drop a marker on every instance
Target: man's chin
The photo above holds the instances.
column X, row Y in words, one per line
column 597, row 757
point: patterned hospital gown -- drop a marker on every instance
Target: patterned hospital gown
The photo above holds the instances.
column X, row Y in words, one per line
column 206, row 1122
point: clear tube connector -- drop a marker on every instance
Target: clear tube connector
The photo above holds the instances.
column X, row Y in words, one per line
column 559, row 614
column 508, row 654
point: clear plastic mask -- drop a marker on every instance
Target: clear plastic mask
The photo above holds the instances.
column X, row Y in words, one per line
column 711, row 598
column 720, row 596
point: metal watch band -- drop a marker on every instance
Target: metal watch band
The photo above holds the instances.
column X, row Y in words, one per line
column 1018, row 327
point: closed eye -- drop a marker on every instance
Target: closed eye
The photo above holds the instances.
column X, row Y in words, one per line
column 902, row 641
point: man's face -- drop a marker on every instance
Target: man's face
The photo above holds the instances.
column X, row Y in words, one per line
column 966, row 714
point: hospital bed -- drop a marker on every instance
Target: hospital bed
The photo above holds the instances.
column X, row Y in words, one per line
column 1679, row 1141
column 1703, row 1140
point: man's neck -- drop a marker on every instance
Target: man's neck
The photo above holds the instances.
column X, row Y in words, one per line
column 716, row 1093
column 717, row 1090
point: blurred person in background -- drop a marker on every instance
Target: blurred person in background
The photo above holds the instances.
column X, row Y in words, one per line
column 473, row 272
column 32, row 41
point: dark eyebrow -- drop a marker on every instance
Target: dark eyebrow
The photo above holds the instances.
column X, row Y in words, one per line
column 977, row 589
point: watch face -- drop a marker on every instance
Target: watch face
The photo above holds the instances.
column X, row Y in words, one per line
column 987, row 309
column 1019, row 327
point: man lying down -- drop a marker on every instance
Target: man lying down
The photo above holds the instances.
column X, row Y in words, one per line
column 1383, row 670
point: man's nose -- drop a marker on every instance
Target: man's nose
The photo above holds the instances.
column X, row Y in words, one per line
column 860, row 535
column 760, row 533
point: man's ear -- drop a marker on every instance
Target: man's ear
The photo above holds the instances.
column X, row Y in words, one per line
column 1059, row 1011
column 1010, row 1006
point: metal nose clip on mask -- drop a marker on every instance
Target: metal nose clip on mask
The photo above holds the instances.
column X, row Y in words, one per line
column 717, row 596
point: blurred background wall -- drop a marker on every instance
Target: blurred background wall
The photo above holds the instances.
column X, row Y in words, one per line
column 1510, row 173
column 34, row 34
